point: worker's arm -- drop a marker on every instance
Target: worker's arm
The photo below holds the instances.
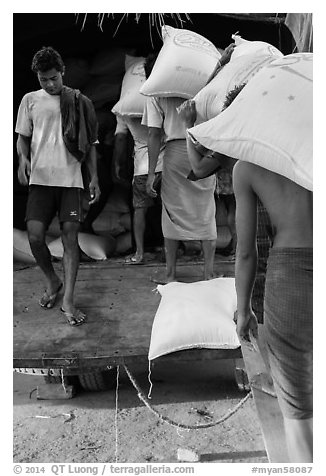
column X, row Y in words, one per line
column 91, row 162
column 246, row 254
column 154, row 147
column 24, row 164
column 224, row 59
column 203, row 161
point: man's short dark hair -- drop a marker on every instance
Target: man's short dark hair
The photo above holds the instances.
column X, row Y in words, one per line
column 230, row 97
column 149, row 63
column 47, row 58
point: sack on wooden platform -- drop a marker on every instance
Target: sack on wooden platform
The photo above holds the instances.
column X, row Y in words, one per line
column 125, row 221
column 108, row 222
column 183, row 66
column 96, row 247
column 123, row 243
column 194, row 315
column 276, row 133
column 22, row 249
column 245, row 47
column 131, row 102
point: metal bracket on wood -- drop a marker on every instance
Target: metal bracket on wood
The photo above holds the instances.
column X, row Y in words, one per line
column 71, row 360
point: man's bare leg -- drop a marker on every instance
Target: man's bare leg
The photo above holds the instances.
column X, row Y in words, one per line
column 139, row 231
column 299, row 438
column 70, row 263
column 209, row 247
column 42, row 255
column 171, row 248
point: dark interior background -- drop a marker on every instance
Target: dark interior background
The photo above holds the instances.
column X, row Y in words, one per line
column 80, row 36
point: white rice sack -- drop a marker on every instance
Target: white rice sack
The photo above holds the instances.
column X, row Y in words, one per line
column 270, row 121
column 96, row 247
column 245, row 47
column 131, row 102
column 22, row 249
column 209, row 101
column 195, row 315
column 183, row 66
column 124, row 242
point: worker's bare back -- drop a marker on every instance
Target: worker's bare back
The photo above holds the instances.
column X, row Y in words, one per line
column 290, row 206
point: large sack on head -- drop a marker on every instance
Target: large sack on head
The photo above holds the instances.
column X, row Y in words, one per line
column 245, row 47
column 76, row 72
column 96, row 247
column 270, row 121
column 131, row 102
column 210, row 100
column 183, row 66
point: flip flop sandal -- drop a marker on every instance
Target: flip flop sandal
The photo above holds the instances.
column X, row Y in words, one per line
column 133, row 260
column 47, row 301
column 76, row 318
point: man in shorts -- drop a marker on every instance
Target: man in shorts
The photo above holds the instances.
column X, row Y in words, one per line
column 141, row 201
column 51, row 144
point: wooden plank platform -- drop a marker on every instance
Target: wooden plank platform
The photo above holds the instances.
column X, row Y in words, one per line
column 268, row 410
column 120, row 302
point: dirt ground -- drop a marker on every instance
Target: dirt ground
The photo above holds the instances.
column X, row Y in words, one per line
column 100, row 431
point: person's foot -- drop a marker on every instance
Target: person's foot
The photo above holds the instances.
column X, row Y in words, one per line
column 159, row 278
column 50, row 295
column 135, row 259
column 74, row 317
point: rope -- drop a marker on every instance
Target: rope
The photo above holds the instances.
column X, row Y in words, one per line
column 116, row 415
column 182, row 425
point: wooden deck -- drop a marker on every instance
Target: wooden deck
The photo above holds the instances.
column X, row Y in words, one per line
column 120, row 303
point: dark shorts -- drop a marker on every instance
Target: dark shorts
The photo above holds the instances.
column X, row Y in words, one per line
column 45, row 202
column 140, row 197
column 288, row 322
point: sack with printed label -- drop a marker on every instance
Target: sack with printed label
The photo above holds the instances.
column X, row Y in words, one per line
column 131, row 102
column 183, row 66
column 246, row 47
column 270, row 122
column 210, row 100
